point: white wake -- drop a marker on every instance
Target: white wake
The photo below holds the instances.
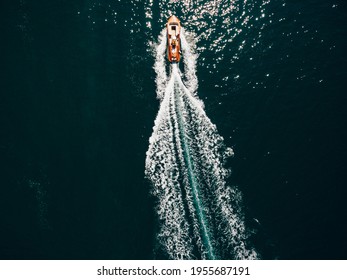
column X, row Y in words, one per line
column 200, row 216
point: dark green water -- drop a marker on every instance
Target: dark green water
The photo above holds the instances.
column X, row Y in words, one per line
column 78, row 102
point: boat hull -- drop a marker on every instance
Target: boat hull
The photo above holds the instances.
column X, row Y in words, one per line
column 173, row 27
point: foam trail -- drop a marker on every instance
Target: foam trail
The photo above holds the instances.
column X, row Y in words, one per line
column 200, row 216
column 162, row 168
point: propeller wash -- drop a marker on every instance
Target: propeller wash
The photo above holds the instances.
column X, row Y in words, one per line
column 200, row 217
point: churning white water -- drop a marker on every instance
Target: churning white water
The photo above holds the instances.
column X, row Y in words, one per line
column 200, row 216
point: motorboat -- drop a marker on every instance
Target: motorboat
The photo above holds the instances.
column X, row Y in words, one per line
column 173, row 27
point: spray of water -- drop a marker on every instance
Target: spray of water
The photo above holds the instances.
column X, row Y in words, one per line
column 200, row 216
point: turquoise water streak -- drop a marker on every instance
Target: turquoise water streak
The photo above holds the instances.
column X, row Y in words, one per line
column 191, row 174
